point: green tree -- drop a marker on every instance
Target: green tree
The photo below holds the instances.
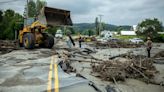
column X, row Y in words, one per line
column 9, row 24
column 31, row 9
column 88, row 32
column 149, row 27
column 1, row 16
column 1, row 29
column 40, row 4
column 103, row 26
column 119, row 29
column 97, row 26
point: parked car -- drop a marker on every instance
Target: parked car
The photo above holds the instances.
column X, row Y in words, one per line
column 114, row 40
column 136, row 40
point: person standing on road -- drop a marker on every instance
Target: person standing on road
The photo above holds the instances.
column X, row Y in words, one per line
column 149, row 46
column 80, row 41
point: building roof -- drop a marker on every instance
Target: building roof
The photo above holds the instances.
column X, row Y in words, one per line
column 128, row 33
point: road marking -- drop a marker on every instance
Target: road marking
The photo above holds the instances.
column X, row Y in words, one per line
column 50, row 76
column 56, row 75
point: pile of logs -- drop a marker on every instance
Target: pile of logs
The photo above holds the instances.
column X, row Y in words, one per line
column 137, row 69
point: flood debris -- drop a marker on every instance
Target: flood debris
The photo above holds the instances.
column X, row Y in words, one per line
column 159, row 58
column 7, row 46
column 116, row 44
column 66, row 67
column 110, row 89
column 142, row 69
column 116, row 68
column 159, row 55
column 128, row 66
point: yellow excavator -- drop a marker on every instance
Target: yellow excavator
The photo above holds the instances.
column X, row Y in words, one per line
column 33, row 33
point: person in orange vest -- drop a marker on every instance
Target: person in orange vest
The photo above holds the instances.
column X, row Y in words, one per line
column 149, row 46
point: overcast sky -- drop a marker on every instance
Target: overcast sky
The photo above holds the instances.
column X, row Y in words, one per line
column 119, row 12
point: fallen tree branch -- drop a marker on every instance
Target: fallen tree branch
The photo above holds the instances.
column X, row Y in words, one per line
column 115, row 82
column 158, row 61
column 83, row 60
column 88, row 57
column 139, row 72
column 156, row 83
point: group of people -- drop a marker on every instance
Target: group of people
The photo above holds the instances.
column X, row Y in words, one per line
column 70, row 42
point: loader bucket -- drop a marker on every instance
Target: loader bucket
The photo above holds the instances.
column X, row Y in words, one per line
column 54, row 17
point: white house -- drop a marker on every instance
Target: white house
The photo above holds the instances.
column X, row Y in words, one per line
column 160, row 32
column 106, row 34
column 128, row 33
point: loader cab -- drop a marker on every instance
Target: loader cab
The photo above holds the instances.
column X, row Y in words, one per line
column 29, row 21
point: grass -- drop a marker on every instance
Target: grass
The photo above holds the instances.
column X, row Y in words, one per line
column 128, row 37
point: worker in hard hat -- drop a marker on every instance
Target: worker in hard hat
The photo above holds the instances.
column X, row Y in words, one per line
column 149, row 46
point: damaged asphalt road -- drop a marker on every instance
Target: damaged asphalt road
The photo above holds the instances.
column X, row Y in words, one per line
column 23, row 70
column 37, row 71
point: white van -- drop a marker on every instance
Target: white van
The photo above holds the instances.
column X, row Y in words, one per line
column 59, row 34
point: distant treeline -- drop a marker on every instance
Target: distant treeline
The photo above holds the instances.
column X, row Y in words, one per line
column 86, row 26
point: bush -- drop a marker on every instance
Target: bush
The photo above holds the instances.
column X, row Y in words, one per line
column 159, row 38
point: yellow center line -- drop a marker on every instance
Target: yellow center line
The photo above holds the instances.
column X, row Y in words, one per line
column 56, row 86
column 50, row 76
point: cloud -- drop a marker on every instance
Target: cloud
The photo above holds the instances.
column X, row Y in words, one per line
column 76, row 6
column 120, row 12
column 17, row 5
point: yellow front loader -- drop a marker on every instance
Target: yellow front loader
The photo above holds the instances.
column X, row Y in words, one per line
column 33, row 33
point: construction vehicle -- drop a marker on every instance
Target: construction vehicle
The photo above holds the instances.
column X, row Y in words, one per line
column 33, row 33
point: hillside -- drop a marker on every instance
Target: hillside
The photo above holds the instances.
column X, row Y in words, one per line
column 85, row 26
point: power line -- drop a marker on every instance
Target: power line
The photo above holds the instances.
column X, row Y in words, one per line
column 3, row 2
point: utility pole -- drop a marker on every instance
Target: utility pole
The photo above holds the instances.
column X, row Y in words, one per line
column 100, row 23
column 27, row 10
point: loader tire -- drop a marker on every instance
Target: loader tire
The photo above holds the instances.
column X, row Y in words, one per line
column 29, row 41
column 49, row 42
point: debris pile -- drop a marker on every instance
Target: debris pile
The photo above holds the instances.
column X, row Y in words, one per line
column 134, row 68
column 117, row 44
column 117, row 68
column 7, row 46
